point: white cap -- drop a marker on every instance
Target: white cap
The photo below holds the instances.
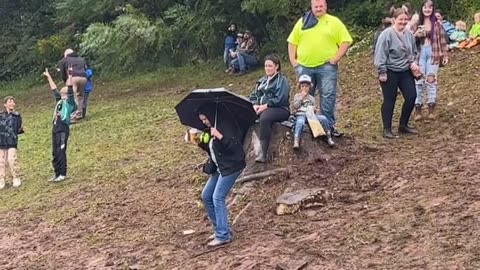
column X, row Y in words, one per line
column 305, row 79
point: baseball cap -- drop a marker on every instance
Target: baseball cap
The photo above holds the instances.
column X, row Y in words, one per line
column 304, row 79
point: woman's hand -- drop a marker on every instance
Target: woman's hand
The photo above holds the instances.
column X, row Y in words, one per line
column 414, row 67
column 261, row 108
column 215, row 133
column 383, row 77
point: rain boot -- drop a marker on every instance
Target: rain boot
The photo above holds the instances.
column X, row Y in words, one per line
column 262, row 156
column 296, row 143
column 431, row 111
column 418, row 112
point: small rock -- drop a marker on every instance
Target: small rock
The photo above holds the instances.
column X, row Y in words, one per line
column 135, row 267
column 188, row 232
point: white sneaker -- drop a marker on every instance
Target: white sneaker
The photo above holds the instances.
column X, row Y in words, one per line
column 51, row 179
column 16, row 182
column 60, row 178
column 2, row 184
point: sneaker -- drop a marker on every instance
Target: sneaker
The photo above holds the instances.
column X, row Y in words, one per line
column 387, row 134
column 16, row 182
column 51, row 179
column 60, row 178
column 218, row 243
column 241, row 73
column 336, row 133
column 2, row 184
column 212, row 237
column 407, row 130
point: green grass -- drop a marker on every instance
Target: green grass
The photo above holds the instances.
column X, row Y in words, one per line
column 131, row 131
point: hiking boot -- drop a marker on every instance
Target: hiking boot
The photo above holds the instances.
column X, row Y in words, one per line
column 407, row 130
column 431, row 112
column 387, row 134
column 296, row 143
column 60, row 178
column 217, row 243
column 418, row 113
column 16, row 182
column 2, row 184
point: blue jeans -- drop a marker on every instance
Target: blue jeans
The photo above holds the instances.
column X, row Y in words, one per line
column 429, row 79
column 302, row 119
column 214, row 194
column 324, row 78
column 227, row 58
column 245, row 61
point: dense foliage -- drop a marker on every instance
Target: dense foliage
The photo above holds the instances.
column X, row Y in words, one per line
column 138, row 35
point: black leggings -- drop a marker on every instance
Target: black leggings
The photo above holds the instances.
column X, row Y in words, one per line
column 267, row 118
column 405, row 81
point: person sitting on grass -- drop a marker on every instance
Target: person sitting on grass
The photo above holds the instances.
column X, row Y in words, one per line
column 459, row 36
column 302, row 102
column 64, row 107
column 474, row 34
column 10, row 128
column 246, row 55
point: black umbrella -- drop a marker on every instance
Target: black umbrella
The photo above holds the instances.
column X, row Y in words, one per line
column 239, row 107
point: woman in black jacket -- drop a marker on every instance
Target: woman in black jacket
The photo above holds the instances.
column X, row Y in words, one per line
column 226, row 162
column 271, row 101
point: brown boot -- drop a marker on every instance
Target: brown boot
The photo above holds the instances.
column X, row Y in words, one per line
column 418, row 112
column 431, row 111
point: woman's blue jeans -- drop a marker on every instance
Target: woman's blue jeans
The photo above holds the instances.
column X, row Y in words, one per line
column 214, row 194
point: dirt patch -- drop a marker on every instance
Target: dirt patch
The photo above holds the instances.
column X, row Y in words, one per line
column 411, row 203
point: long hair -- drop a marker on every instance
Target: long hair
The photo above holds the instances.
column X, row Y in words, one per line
column 433, row 19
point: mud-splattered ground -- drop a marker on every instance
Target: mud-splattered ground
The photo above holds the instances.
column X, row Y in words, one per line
column 410, row 203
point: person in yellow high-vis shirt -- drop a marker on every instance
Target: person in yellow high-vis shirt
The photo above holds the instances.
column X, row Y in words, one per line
column 316, row 44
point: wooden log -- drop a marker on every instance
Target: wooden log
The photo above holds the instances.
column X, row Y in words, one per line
column 260, row 175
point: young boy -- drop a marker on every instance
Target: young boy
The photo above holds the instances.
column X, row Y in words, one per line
column 64, row 107
column 301, row 102
column 10, row 128
column 88, row 89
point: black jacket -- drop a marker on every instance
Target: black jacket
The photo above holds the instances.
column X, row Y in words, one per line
column 229, row 150
column 79, row 66
column 10, row 127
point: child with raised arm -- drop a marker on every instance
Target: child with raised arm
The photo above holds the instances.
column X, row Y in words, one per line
column 10, row 128
column 64, row 106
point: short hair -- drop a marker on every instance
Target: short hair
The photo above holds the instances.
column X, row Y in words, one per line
column 7, row 98
column 64, row 90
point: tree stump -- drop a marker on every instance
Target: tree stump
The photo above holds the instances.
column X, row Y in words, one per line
column 292, row 202
column 281, row 153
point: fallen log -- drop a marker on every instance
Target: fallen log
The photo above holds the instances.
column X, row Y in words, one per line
column 260, row 175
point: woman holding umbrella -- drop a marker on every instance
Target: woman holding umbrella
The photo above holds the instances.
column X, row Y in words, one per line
column 226, row 162
column 271, row 101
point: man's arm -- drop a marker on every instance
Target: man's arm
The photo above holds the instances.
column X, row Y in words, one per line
column 292, row 54
column 342, row 50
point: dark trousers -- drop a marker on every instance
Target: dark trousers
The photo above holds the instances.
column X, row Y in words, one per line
column 406, row 83
column 59, row 152
column 85, row 103
column 267, row 118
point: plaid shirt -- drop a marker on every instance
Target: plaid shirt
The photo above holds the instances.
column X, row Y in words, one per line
column 439, row 45
column 250, row 46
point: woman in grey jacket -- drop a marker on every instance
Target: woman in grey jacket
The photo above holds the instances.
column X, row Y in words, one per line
column 395, row 61
column 270, row 100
